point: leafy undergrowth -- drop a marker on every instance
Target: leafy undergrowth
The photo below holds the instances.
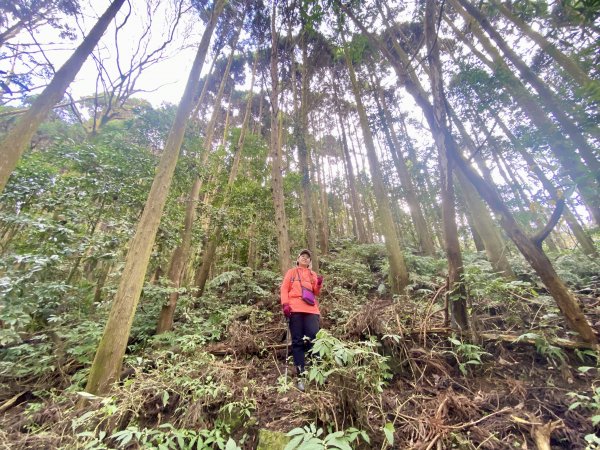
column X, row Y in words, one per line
column 387, row 371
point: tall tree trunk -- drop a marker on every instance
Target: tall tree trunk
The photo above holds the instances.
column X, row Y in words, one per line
column 547, row 97
column 414, row 206
column 529, row 247
column 361, row 233
column 584, row 240
column 495, row 247
column 182, row 252
column 560, row 146
column 301, row 132
column 320, row 205
column 106, row 367
column 283, row 240
column 398, row 270
column 19, row 136
column 252, row 244
column 456, row 285
column 567, row 63
column 362, row 191
column 208, row 256
column 179, row 259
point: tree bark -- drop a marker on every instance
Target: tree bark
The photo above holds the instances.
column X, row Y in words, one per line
column 208, row 255
column 283, row 240
column 456, row 284
column 19, row 136
column 414, row 206
column 561, row 147
column 398, row 275
column 361, row 233
column 527, row 246
column 106, row 367
column 301, row 131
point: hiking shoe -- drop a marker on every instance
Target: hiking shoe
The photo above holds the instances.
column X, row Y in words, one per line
column 300, row 385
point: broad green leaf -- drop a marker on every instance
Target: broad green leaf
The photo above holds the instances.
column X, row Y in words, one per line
column 388, row 430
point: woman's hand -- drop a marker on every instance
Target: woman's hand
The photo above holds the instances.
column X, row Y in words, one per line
column 319, row 280
column 287, row 310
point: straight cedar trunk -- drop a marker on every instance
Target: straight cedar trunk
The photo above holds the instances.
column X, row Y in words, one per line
column 361, row 233
column 398, row 270
column 179, row 259
column 529, row 247
column 474, row 234
column 582, row 238
column 560, row 146
column 106, row 367
column 301, row 132
column 283, row 240
column 208, row 256
column 182, row 252
column 414, row 206
column 252, row 247
column 456, row 284
column 495, row 247
column 320, row 206
column 19, row 136
column 547, row 97
column 363, row 199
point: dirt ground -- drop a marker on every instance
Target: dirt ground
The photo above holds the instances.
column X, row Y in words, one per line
column 517, row 398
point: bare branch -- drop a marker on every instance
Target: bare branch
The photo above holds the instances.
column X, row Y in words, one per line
column 543, row 234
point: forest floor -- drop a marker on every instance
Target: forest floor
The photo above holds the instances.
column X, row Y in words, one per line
column 392, row 368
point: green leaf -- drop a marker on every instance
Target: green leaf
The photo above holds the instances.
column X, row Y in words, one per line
column 596, row 419
column 338, row 443
column 388, row 430
column 231, row 445
column 293, row 444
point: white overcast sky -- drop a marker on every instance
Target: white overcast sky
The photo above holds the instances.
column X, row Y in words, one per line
column 164, row 81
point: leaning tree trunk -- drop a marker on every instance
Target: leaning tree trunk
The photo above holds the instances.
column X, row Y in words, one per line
column 529, row 247
column 546, row 96
column 456, row 285
column 584, row 240
column 178, row 260
column 283, row 240
column 183, row 251
column 106, row 367
column 567, row 63
column 19, row 136
column 560, row 146
column 398, row 270
column 208, row 256
column 495, row 247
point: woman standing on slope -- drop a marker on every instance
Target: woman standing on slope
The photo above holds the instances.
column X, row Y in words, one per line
column 299, row 290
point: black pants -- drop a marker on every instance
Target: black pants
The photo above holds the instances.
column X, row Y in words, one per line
column 304, row 328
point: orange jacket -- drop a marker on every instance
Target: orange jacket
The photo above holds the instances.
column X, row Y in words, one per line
column 291, row 293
